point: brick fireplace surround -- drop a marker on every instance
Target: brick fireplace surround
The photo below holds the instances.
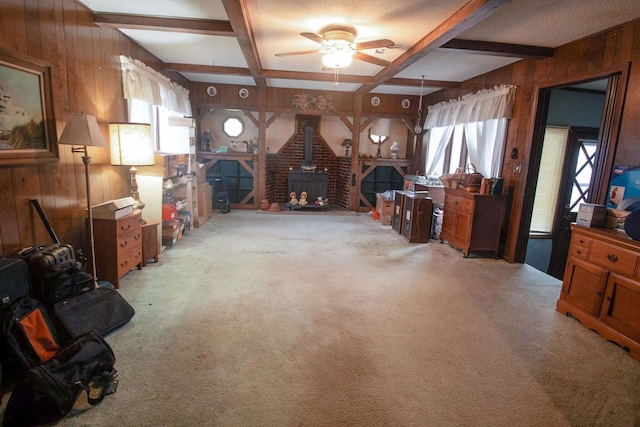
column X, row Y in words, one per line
column 291, row 155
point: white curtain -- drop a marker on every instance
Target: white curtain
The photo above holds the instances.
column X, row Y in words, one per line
column 485, row 142
column 145, row 84
column 485, row 117
column 484, row 105
column 438, row 140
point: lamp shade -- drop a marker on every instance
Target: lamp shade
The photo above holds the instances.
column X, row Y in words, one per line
column 82, row 130
column 381, row 127
column 131, row 144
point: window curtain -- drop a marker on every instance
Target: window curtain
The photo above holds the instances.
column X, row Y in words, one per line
column 145, row 84
column 485, row 142
column 438, row 140
column 484, row 115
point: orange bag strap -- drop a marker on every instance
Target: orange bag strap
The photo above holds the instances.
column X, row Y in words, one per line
column 40, row 337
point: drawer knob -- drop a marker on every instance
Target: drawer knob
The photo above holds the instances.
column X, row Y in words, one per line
column 612, row 258
column 581, row 242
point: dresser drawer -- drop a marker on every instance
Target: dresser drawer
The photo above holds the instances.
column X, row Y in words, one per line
column 581, row 240
column 129, row 241
column 128, row 224
column 578, row 251
column 129, row 260
column 459, row 203
column 613, row 258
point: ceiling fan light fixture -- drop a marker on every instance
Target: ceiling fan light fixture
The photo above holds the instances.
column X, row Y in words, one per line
column 338, row 59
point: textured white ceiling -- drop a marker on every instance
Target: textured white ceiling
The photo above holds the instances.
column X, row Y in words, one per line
column 277, row 25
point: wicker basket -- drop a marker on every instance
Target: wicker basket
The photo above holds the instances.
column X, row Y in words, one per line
column 464, row 178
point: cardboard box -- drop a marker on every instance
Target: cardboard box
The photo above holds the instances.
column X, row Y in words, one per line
column 624, row 184
column 591, row 215
column 384, row 207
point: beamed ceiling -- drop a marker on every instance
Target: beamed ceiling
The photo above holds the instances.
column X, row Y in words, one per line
column 436, row 43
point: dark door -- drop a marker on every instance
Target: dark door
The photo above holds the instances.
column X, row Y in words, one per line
column 575, row 188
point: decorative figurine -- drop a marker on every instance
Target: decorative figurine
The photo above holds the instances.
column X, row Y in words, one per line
column 264, row 205
column 303, row 198
column 294, row 199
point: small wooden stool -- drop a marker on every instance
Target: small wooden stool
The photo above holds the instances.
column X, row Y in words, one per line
column 150, row 245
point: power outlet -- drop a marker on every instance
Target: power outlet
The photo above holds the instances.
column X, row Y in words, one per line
column 516, row 167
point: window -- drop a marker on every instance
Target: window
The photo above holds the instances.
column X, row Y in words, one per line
column 456, row 154
column 233, row 127
column 549, row 177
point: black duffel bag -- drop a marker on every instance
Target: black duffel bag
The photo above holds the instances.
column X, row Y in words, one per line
column 50, row 390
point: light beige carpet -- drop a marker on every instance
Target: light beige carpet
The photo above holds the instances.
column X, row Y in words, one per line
column 335, row 320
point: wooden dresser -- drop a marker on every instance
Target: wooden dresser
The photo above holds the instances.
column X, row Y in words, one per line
column 472, row 221
column 118, row 246
column 601, row 285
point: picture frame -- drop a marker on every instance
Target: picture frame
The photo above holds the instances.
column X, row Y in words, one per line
column 27, row 125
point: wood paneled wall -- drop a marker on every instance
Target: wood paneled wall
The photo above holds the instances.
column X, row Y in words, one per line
column 85, row 78
column 576, row 61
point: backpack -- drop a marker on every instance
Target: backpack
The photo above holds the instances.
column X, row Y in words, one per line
column 28, row 336
column 50, row 390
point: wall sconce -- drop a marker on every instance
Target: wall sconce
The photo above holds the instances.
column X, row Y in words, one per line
column 131, row 145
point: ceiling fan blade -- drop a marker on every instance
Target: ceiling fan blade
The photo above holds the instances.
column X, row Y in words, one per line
column 313, row 37
column 302, row 52
column 374, row 44
column 371, row 59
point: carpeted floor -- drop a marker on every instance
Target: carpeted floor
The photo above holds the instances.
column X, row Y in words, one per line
column 335, row 320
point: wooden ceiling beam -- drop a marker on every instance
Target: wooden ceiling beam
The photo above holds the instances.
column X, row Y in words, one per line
column 207, row 69
column 469, row 15
column 499, row 49
column 238, row 14
column 297, row 75
column 181, row 25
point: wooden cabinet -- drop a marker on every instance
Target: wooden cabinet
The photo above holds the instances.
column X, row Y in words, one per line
column 118, row 246
column 418, row 211
column 398, row 211
column 472, row 221
column 205, row 202
column 150, row 241
column 601, row 285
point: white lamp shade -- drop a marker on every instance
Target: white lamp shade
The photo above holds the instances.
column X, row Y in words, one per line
column 82, row 130
column 131, row 144
column 381, row 127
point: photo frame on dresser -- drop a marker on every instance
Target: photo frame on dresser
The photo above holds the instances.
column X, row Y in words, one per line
column 27, row 125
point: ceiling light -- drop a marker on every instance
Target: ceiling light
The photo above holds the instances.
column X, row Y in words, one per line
column 338, row 59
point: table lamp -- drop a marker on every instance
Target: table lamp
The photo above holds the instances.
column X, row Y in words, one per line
column 131, row 145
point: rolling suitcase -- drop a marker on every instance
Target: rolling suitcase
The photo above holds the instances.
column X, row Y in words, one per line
column 14, row 280
column 45, row 262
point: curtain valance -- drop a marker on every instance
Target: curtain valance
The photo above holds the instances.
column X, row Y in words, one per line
column 487, row 104
column 146, row 84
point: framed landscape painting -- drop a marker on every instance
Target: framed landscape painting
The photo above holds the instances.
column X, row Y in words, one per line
column 27, row 126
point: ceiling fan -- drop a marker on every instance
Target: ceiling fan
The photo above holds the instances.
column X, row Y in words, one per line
column 339, row 47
